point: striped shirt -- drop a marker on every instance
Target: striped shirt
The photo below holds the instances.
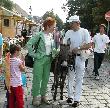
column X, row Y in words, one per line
column 16, row 79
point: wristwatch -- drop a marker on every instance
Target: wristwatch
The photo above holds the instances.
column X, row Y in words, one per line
column 79, row 48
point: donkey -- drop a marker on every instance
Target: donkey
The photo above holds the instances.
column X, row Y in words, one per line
column 62, row 62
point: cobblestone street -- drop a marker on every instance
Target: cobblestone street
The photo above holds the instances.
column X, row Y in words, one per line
column 55, row 53
column 96, row 94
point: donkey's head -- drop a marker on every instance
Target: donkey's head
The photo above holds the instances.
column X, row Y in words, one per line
column 63, row 54
column 64, row 51
column 66, row 59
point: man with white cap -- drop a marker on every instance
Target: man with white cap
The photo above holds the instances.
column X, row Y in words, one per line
column 80, row 41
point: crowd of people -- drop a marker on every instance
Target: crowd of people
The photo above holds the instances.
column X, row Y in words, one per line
column 50, row 40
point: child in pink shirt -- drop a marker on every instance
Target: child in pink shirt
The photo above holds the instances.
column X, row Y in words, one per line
column 16, row 67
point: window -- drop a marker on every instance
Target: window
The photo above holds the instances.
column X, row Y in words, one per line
column 6, row 22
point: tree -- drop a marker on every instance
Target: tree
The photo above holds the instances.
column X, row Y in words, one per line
column 57, row 18
column 83, row 8
column 59, row 22
column 8, row 4
column 48, row 14
column 91, row 12
column 102, row 6
column 73, row 6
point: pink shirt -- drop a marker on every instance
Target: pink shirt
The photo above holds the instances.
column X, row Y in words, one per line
column 56, row 35
column 16, row 79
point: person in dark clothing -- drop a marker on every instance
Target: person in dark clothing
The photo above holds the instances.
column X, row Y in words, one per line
column 24, row 34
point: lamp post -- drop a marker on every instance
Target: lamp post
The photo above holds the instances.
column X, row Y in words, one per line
column 30, row 18
column 30, row 8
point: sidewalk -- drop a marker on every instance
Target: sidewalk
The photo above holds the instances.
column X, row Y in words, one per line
column 96, row 94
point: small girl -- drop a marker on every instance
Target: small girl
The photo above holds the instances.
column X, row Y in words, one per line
column 16, row 67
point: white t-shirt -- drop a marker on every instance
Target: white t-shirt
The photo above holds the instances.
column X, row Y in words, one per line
column 16, row 79
column 100, row 42
column 77, row 38
column 48, row 43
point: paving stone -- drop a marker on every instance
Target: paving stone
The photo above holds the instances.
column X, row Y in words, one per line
column 108, row 100
column 103, row 101
column 108, row 105
column 97, row 106
column 99, row 97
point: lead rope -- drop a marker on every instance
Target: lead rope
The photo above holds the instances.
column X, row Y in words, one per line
column 72, row 64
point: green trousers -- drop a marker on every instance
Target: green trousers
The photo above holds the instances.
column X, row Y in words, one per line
column 41, row 73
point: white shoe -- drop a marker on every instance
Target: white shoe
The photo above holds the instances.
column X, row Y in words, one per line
column 36, row 101
column 44, row 100
column 97, row 77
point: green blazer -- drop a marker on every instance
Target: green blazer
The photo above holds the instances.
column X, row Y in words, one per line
column 41, row 51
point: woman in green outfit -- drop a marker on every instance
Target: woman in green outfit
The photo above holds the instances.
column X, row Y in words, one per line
column 42, row 61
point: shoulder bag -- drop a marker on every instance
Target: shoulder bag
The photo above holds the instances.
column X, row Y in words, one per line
column 29, row 61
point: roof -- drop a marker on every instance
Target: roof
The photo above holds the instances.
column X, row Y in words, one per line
column 19, row 10
column 7, row 12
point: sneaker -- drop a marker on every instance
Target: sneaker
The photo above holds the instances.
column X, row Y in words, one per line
column 44, row 100
column 69, row 100
column 75, row 104
column 36, row 101
column 97, row 77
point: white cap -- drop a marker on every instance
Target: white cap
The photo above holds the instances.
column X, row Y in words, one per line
column 74, row 18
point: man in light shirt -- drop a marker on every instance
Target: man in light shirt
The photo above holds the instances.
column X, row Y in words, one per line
column 100, row 41
column 80, row 41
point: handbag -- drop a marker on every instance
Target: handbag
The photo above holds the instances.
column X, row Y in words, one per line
column 29, row 60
